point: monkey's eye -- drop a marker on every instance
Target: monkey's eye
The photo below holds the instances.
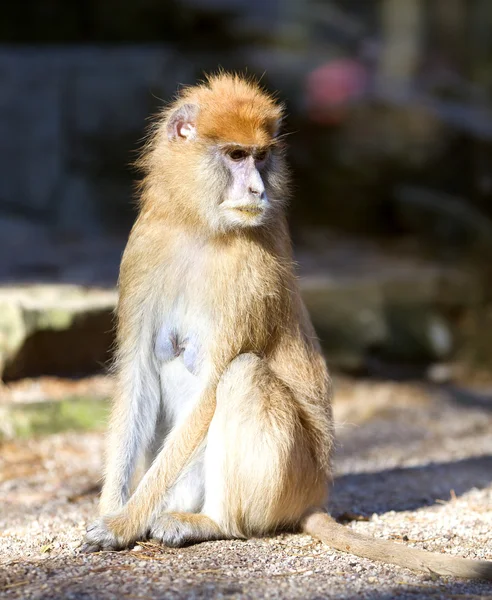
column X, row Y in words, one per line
column 238, row 154
column 261, row 155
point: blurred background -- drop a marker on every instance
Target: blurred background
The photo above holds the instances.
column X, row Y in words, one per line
column 390, row 135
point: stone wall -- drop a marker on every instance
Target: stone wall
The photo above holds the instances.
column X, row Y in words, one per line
column 70, row 122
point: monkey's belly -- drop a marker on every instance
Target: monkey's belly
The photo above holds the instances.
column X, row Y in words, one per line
column 183, row 379
column 170, row 345
column 180, row 391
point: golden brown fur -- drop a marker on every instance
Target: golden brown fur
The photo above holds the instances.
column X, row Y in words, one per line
column 262, row 423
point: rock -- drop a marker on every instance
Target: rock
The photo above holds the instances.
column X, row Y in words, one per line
column 27, row 419
column 380, row 312
column 348, row 317
column 404, row 315
column 447, row 221
column 48, row 329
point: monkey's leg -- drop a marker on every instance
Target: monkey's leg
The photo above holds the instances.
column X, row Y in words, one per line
column 259, row 471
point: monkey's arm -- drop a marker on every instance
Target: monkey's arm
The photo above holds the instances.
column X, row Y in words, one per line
column 136, row 400
column 132, row 426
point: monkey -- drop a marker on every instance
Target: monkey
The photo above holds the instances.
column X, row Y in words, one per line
column 221, row 388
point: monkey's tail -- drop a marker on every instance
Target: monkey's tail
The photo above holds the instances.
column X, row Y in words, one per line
column 322, row 526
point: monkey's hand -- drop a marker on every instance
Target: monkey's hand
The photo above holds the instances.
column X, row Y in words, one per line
column 99, row 536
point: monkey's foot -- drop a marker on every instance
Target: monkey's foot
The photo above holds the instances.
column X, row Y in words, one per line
column 181, row 529
column 99, row 537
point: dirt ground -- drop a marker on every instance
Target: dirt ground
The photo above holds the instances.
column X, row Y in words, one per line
column 414, row 464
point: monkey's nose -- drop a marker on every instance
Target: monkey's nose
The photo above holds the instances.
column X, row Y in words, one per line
column 260, row 194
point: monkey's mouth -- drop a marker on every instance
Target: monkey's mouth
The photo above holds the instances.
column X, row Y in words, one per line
column 250, row 211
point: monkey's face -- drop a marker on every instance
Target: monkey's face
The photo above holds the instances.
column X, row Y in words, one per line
column 227, row 163
column 244, row 200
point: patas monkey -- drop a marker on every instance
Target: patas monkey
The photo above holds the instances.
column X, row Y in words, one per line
column 221, row 384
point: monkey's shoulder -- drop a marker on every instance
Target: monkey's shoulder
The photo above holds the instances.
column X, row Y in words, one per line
column 147, row 242
column 150, row 255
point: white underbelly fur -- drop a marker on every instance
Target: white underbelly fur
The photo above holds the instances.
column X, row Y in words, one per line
column 180, row 391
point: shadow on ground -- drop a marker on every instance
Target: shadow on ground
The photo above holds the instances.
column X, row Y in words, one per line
column 409, row 488
column 467, row 398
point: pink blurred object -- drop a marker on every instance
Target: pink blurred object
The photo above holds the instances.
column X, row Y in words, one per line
column 332, row 87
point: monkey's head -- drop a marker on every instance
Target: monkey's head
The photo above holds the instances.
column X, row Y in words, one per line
column 217, row 152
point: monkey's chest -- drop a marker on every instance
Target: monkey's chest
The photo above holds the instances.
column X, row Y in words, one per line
column 180, row 350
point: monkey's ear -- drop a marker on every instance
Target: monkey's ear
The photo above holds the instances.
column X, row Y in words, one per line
column 182, row 123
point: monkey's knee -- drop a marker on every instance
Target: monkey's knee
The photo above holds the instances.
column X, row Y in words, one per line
column 240, row 376
column 246, row 363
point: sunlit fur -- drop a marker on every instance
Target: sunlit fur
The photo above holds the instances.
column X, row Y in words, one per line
column 258, row 436
column 261, row 347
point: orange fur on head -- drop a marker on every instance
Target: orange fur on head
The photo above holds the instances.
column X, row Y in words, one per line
column 234, row 110
column 223, row 111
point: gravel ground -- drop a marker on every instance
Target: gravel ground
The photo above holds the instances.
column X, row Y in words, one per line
column 414, row 464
